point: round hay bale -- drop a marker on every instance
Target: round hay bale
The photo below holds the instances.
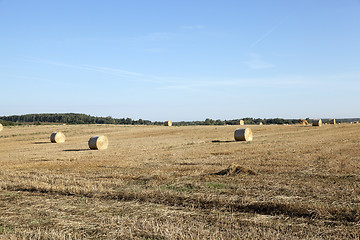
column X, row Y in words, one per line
column 1, row 127
column 317, row 122
column 260, row 123
column 57, row 137
column 332, row 121
column 240, row 122
column 98, row 143
column 168, row 123
column 243, row 134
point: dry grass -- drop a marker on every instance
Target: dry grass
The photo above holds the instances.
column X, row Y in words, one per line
column 156, row 182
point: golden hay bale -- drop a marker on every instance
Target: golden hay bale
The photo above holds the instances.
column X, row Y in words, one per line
column 243, row 134
column 332, row 121
column 57, row 137
column 317, row 122
column 260, row 123
column 240, row 122
column 303, row 122
column 98, row 143
column 168, row 123
column 1, row 127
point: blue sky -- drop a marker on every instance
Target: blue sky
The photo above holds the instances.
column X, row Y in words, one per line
column 181, row 59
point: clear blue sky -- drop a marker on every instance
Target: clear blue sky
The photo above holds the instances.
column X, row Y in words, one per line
column 181, row 59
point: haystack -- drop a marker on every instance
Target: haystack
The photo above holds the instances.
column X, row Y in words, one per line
column 332, row 121
column 98, row 143
column 168, row 123
column 243, row 134
column 260, row 123
column 317, row 122
column 303, row 122
column 57, row 137
column 1, row 127
column 240, row 122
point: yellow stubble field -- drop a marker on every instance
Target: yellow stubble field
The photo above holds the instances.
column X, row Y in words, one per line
column 157, row 182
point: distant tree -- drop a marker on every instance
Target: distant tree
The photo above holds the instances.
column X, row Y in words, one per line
column 128, row 121
column 218, row 122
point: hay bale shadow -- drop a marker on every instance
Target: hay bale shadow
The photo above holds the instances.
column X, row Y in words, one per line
column 76, row 150
column 222, row 141
column 42, row 142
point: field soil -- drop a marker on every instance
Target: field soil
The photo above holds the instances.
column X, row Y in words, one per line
column 194, row 182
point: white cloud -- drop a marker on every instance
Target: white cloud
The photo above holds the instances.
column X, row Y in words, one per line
column 262, row 38
column 256, row 62
column 267, row 34
column 106, row 70
column 124, row 74
column 112, row 70
column 159, row 36
column 322, row 83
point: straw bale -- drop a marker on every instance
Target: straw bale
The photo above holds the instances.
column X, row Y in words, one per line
column 243, row 134
column 240, row 122
column 317, row 122
column 168, row 123
column 57, row 137
column 1, row 127
column 332, row 121
column 98, row 143
column 260, row 123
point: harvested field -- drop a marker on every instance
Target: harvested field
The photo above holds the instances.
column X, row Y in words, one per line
column 157, row 182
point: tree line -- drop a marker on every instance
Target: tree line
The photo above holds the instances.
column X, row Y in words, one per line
column 69, row 118
column 78, row 118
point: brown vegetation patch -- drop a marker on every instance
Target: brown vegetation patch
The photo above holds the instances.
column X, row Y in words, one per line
column 233, row 170
column 221, row 153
